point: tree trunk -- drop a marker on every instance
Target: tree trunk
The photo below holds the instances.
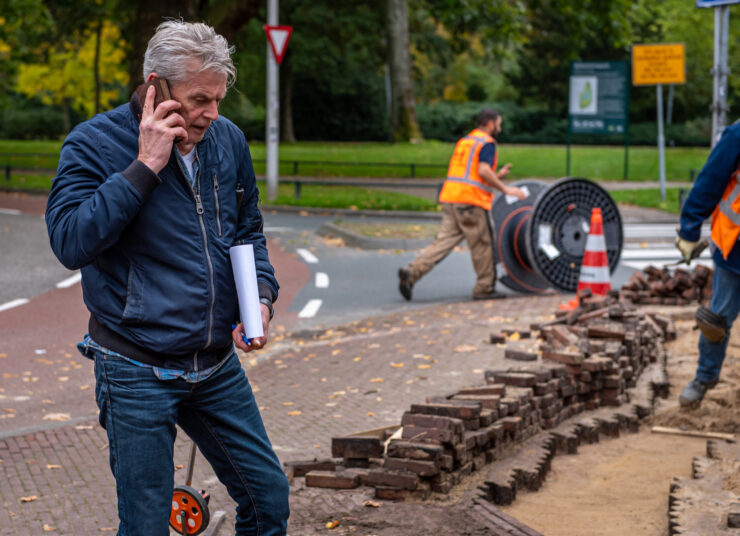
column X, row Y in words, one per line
column 403, row 124
column 287, row 133
column 149, row 15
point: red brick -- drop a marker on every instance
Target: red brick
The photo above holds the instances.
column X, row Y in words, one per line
column 567, row 357
column 493, row 389
column 396, row 479
column 486, row 401
column 432, row 421
column 415, row 451
column 447, row 410
column 300, row 468
column 421, row 468
column 417, row 433
column 330, row 479
column 356, row 447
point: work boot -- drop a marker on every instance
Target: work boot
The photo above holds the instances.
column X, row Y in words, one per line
column 693, row 393
column 404, row 283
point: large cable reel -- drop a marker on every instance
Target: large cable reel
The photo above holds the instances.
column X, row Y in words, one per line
column 540, row 240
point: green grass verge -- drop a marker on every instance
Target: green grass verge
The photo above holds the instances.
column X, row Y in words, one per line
column 350, row 197
column 649, row 198
column 528, row 161
column 390, row 230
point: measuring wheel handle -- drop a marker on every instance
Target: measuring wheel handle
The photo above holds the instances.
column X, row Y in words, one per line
column 189, row 514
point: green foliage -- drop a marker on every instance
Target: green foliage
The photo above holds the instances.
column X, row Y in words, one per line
column 558, row 32
column 67, row 74
column 649, row 198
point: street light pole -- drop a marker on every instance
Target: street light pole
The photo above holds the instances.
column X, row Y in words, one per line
column 720, row 71
column 272, row 130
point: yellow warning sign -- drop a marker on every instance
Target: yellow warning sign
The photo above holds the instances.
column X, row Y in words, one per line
column 658, row 64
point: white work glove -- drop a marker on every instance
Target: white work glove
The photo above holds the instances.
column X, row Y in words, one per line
column 686, row 247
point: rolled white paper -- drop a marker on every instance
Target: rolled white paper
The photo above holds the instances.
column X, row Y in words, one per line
column 245, row 277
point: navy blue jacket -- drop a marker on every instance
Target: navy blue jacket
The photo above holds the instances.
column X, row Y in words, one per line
column 707, row 192
column 154, row 249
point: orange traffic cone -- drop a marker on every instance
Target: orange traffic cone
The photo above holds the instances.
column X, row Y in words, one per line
column 595, row 265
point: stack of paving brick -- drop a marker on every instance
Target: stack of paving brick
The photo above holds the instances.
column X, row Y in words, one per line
column 604, row 346
column 707, row 503
column 660, row 286
column 587, row 358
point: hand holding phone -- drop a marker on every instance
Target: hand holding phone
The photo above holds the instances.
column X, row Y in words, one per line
column 159, row 127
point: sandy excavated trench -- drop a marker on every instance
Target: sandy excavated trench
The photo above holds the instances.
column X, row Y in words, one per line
column 620, row 486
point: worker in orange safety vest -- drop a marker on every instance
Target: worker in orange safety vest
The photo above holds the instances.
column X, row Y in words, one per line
column 716, row 192
column 466, row 198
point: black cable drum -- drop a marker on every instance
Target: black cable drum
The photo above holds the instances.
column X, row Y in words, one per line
column 541, row 239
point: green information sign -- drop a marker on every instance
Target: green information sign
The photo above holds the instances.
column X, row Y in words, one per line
column 598, row 101
column 598, row 97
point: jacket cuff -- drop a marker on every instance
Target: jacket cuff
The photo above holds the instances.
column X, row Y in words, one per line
column 265, row 291
column 142, row 178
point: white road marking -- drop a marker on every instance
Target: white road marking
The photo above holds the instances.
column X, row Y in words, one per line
column 72, row 280
column 671, row 253
column 10, row 211
column 641, row 265
column 277, row 229
column 322, row 280
column 307, row 256
column 15, row 303
column 310, row 309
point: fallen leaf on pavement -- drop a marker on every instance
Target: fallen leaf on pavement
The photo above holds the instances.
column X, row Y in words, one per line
column 335, row 352
column 397, row 365
column 3, row 355
column 332, row 524
column 377, row 380
column 30, row 498
column 372, row 504
column 8, row 410
column 84, row 387
column 515, row 336
column 8, row 375
column 423, row 366
column 466, row 348
column 83, row 427
column 295, row 413
column 288, row 403
column 357, row 359
column 48, row 528
column 370, row 414
column 57, row 417
column 179, row 466
column 53, row 466
column 63, row 378
column 40, row 351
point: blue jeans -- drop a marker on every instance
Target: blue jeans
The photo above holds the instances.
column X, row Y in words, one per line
column 220, row 414
column 726, row 303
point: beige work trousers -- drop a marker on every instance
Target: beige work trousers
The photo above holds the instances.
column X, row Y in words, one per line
column 476, row 227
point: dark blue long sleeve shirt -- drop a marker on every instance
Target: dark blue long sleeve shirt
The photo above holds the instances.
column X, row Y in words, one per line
column 707, row 192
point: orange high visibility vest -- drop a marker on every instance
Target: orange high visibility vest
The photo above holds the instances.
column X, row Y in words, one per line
column 726, row 217
column 464, row 184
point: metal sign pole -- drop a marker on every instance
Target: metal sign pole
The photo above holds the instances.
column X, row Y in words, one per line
column 272, row 131
column 661, row 141
column 719, row 71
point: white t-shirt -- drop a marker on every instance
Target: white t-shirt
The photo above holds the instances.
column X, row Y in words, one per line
column 189, row 159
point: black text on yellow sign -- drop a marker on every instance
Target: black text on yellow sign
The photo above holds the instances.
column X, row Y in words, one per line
column 658, row 64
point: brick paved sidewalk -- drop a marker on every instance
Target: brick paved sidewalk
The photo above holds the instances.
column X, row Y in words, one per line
column 338, row 381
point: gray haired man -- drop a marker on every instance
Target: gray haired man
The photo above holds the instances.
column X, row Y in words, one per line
column 147, row 202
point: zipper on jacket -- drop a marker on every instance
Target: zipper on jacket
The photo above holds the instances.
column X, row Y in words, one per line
column 218, row 206
column 199, row 210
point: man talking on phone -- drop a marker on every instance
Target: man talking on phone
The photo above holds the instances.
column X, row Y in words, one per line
column 147, row 202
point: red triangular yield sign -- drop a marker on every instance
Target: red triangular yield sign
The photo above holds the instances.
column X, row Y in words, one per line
column 278, row 37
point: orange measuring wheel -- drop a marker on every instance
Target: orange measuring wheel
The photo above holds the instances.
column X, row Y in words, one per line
column 189, row 514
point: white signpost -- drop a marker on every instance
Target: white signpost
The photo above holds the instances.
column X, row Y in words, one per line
column 277, row 37
column 719, row 70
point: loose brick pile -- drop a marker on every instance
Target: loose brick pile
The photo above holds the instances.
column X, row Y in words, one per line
column 705, row 503
column 660, row 286
column 583, row 359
